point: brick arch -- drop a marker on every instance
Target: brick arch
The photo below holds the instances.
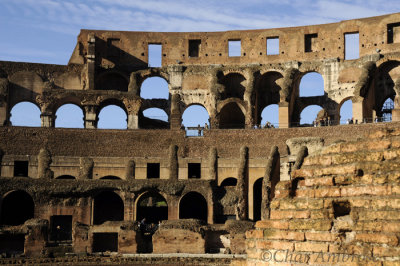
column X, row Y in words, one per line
column 193, row 205
column 231, row 114
column 108, row 205
column 112, row 101
column 17, row 206
column 153, row 214
column 233, row 86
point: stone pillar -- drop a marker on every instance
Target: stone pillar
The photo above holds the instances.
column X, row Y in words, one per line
column 249, row 116
column 284, row 117
column 91, row 60
column 175, row 118
column 3, row 101
column 173, row 162
column 358, row 113
column 47, row 119
column 133, row 105
column 267, row 182
column 396, row 110
column 91, row 116
column 242, row 187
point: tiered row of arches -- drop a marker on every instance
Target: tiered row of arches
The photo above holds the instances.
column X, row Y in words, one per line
column 242, row 99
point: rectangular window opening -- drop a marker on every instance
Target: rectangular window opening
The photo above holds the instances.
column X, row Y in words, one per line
column 393, row 32
column 21, row 168
column 351, row 46
column 61, row 228
column 155, row 55
column 153, row 170
column 103, row 242
column 12, row 243
column 309, row 42
column 234, row 48
column 194, row 48
column 113, row 49
column 272, row 45
column 194, row 170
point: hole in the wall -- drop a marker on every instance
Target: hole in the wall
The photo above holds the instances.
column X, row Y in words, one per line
column 272, row 46
column 16, row 208
column 21, row 168
column 153, row 170
column 12, row 244
column 341, row 208
column 112, row 117
column 25, row 114
column 69, row 116
column 103, row 242
column 352, row 42
column 194, row 48
column 154, row 58
column 234, row 48
column 229, row 182
column 61, row 228
column 309, row 42
column 193, row 206
column 194, row 170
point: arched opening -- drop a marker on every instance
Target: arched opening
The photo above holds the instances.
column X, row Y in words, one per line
column 194, row 116
column 266, row 94
column 346, row 111
column 257, row 198
column 233, row 86
column 193, row 206
column 66, row 177
column 229, row 182
column 154, row 118
column 16, row 208
column 270, row 116
column 386, row 110
column 107, row 206
column 154, row 88
column 69, row 116
column 112, row 117
column 110, row 177
column 153, row 207
column 231, row 116
column 25, row 114
column 311, row 115
column 311, row 84
column 112, row 81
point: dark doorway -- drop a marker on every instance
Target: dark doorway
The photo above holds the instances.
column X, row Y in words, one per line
column 61, row 228
column 231, row 116
column 153, row 207
column 103, row 242
column 21, row 168
column 194, row 48
column 229, row 182
column 108, row 206
column 16, row 208
column 193, row 205
column 66, row 177
column 110, row 177
column 194, row 170
column 153, row 170
column 12, row 244
column 257, row 196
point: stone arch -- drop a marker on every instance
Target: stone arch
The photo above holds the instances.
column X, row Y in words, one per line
column 107, row 206
column 151, row 205
column 266, row 92
column 193, row 205
column 344, row 113
column 257, row 199
column 16, row 207
column 234, row 86
column 154, row 122
column 201, row 117
column 110, row 177
column 70, row 115
column 25, row 113
column 231, row 115
column 119, row 122
column 311, row 84
column 70, row 177
column 112, row 80
column 157, row 81
column 315, row 112
column 270, row 114
column 229, row 181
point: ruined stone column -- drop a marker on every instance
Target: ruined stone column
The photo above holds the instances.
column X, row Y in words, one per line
column 3, row 101
column 91, row 60
column 176, row 116
column 133, row 105
column 358, row 113
column 173, row 162
column 44, row 161
column 267, row 182
column 249, row 121
column 85, row 168
column 213, row 164
column 47, row 119
column 91, row 116
column 130, row 170
column 242, row 186
column 284, row 118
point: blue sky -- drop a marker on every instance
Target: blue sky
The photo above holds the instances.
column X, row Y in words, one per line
column 45, row 31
